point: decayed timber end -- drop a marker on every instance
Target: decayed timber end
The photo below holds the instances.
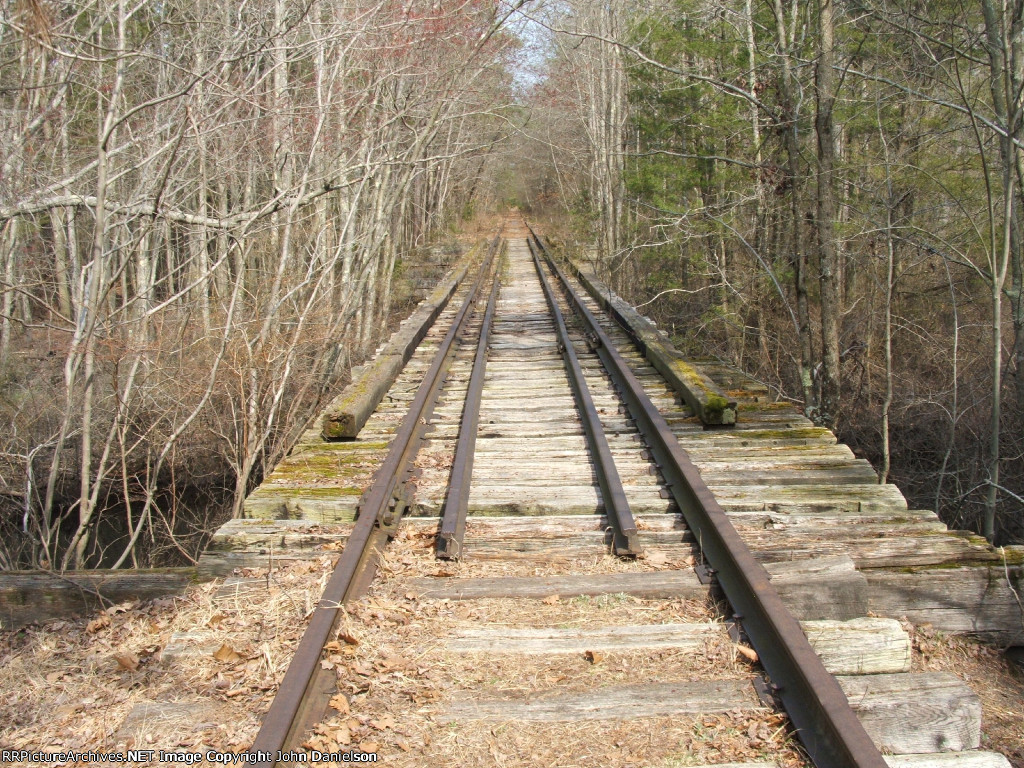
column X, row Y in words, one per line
column 348, row 412
column 711, row 405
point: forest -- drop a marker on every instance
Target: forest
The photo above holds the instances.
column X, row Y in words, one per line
column 204, row 210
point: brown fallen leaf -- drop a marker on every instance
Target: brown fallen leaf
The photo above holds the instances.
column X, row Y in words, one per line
column 226, row 653
column 67, row 711
column 96, row 625
column 392, row 663
column 383, row 723
column 340, row 703
column 550, row 600
column 655, row 557
column 368, row 746
column 127, row 661
column 748, row 653
column 342, row 735
column 752, row 731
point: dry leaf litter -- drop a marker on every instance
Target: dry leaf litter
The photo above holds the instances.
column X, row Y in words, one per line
column 199, row 672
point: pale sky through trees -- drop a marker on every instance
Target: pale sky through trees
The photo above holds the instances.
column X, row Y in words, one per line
column 532, row 58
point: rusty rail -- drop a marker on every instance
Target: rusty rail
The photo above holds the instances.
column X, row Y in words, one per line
column 624, row 536
column 828, row 727
column 453, row 524
column 302, row 698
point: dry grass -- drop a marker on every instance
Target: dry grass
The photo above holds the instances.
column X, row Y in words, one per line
column 73, row 684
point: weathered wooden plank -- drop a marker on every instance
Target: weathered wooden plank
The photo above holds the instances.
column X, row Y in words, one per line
column 536, row 467
column 820, row 588
column 500, row 468
column 350, row 410
column 729, row 377
column 755, row 475
column 215, row 565
column 327, row 465
column 567, row 446
column 268, row 544
column 978, row 599
column 694, row 438
column 870, row 522
column 568, row 537
column 862, row 646
column 917, row 713
column 178, row 717
column 542, row 410
column 660, row 584
column 564, row 525
column 971, row 759
column 552, row 640
column 544, row 500
column 613, row 702
column 39, row 596
column 614, row 427
column 870, row 547
column 189, row 644
column 526, row 390
column 728, row 458
column 322, row 505
column 855, row 496
column 275, row 534
column 497, row 473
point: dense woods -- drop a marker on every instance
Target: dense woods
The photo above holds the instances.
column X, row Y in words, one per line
column 201, row 210
column 204, row 209
column 827, row 195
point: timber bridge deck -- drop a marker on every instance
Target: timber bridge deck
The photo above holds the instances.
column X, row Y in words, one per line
column 603, row 539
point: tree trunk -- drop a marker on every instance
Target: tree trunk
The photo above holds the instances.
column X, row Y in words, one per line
column 798, row 255
column 831, row 311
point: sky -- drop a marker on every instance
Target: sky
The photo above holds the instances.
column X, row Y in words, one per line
column 534, row 53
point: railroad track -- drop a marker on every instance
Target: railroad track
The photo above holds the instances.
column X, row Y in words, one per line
column 524, row 403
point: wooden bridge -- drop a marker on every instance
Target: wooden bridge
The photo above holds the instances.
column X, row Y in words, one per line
column 562, row 524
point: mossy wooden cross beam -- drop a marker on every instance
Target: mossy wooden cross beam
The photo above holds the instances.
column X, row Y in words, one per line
column 348, row 412
column 708, row 402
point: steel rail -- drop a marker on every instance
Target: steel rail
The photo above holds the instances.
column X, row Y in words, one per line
column 304, row 691
column 826, row 724
column 625, row 540
column 451, row 538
